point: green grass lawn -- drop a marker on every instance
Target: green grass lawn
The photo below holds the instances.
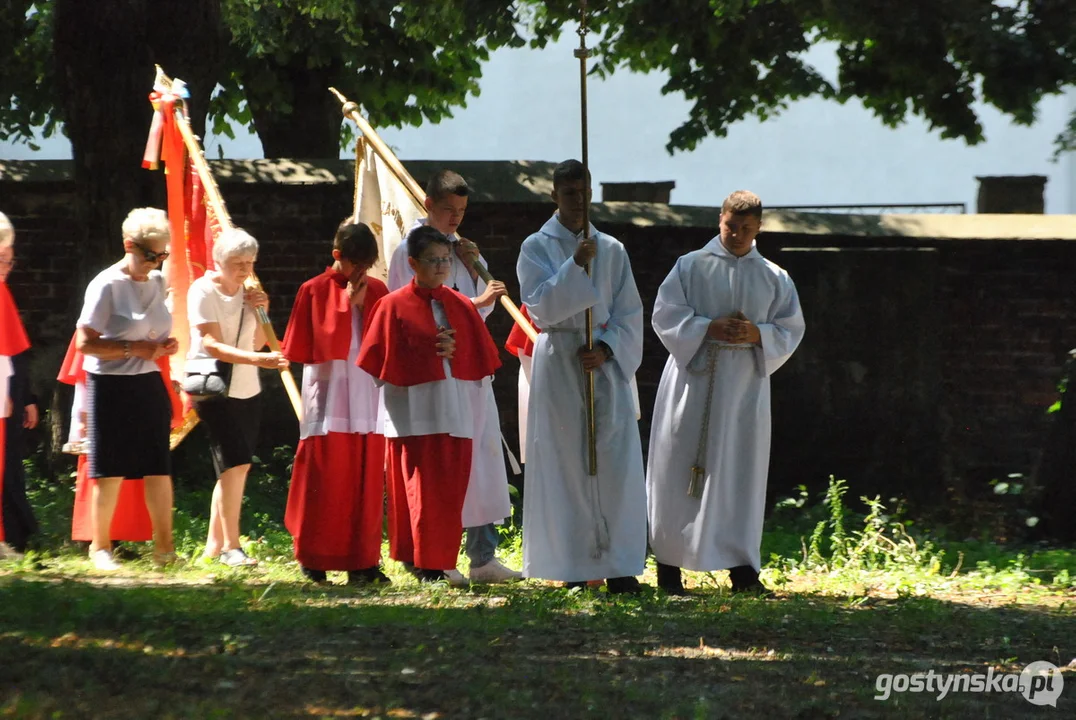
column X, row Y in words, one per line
column 852, row 601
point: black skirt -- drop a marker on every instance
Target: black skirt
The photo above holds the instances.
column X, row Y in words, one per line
column 232, row 425
column 128, row 421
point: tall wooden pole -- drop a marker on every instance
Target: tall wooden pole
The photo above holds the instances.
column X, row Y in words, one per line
column 592, row 427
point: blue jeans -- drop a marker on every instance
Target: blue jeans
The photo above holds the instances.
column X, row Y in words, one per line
column 482, row 544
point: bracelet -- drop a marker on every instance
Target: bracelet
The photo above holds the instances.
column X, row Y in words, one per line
column 126, row 350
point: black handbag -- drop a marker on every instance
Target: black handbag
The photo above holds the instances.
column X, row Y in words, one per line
column 209, row 378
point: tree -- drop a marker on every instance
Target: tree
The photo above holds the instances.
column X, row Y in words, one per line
column 738, row 58
column 88, row 67
column 404, row 62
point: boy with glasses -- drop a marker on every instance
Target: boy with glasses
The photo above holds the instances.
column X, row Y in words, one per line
column 429, row 350
column 487, row 503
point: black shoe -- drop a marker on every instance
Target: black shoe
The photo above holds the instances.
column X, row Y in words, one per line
column 315, row 576
column 430, row 576
column 368, row 576
column 578, row 584
column 619, row 585
column 745, row 580
column 670, row 580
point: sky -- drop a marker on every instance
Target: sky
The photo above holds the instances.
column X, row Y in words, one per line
column 817, row 152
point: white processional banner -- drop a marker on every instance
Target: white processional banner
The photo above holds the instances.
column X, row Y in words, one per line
column 386, row 206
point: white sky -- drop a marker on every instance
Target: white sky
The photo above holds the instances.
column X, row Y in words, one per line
column 817, row 152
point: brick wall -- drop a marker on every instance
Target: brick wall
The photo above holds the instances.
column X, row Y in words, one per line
column 925, row 362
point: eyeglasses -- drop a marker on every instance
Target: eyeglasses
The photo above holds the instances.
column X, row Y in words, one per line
column 436, row 261
column 151, row 256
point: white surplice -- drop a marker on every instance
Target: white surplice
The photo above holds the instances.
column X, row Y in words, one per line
column 487, row 499
column 723, row 528
column 579, row 527
column 339, row 396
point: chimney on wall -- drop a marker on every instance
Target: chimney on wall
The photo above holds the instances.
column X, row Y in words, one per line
column 1012, row 194
column 651, row 192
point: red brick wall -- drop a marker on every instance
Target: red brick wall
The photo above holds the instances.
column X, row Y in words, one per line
column 951, row 358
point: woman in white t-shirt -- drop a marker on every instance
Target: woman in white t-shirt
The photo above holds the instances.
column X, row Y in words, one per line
column 224, row 325
column 124, row 328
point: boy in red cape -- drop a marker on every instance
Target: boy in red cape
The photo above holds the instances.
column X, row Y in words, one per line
column 423, row 343
column 13, row 340
column 131, row 522
column 336, row 499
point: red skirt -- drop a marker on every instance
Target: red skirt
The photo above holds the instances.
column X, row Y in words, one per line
column 129, row 523
column 427, row 477
column 336, row 501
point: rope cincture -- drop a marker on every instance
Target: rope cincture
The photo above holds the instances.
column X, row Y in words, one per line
column 698, row 471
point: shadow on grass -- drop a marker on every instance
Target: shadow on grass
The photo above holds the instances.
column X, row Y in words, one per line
column 236, row 650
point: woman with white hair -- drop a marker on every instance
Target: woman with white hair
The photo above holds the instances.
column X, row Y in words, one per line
column 224, row 327
column 124, row 328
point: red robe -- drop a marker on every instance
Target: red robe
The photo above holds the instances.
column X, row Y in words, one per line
column 130, row 522
column 427, row 474
column 13, row 340
column 335, row 502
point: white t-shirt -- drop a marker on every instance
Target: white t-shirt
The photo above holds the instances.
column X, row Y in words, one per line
column 124, row 309
column 206, row 304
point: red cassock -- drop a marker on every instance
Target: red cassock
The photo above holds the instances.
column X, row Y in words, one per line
column 335, row 502
column 13, row 340
column 427, row 474
column 130, row 522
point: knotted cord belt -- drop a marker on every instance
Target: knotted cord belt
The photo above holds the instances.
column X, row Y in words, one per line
column 698, row 471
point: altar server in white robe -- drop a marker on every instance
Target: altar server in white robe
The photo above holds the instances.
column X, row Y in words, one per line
column 729, row 318
column 578, row 527
column 487, row 503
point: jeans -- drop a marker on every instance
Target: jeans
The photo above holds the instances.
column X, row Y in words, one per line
column 482, row 544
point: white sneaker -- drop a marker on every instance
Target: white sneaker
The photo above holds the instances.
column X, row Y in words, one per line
column 455, row 578
column 102, row 560
column 494, row 572
column 9, row 553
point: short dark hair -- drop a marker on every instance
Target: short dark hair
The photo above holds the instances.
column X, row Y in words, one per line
column 445, row 183
column 356, row 242
column 742, row 202
column 569, row 171
column 422, row 237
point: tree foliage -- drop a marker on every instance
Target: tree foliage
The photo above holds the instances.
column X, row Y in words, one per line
column 406, row 63
column 413, row 62
column 924, row 58
column 28, row 100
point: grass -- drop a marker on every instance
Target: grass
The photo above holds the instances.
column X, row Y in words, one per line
column 857, row 598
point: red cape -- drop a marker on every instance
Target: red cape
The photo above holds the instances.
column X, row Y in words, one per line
column 518, row 342
column 399, row 343
column 13, row 338
column 319, row 329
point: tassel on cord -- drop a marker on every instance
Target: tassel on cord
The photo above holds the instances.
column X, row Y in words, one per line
column 516, row 468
